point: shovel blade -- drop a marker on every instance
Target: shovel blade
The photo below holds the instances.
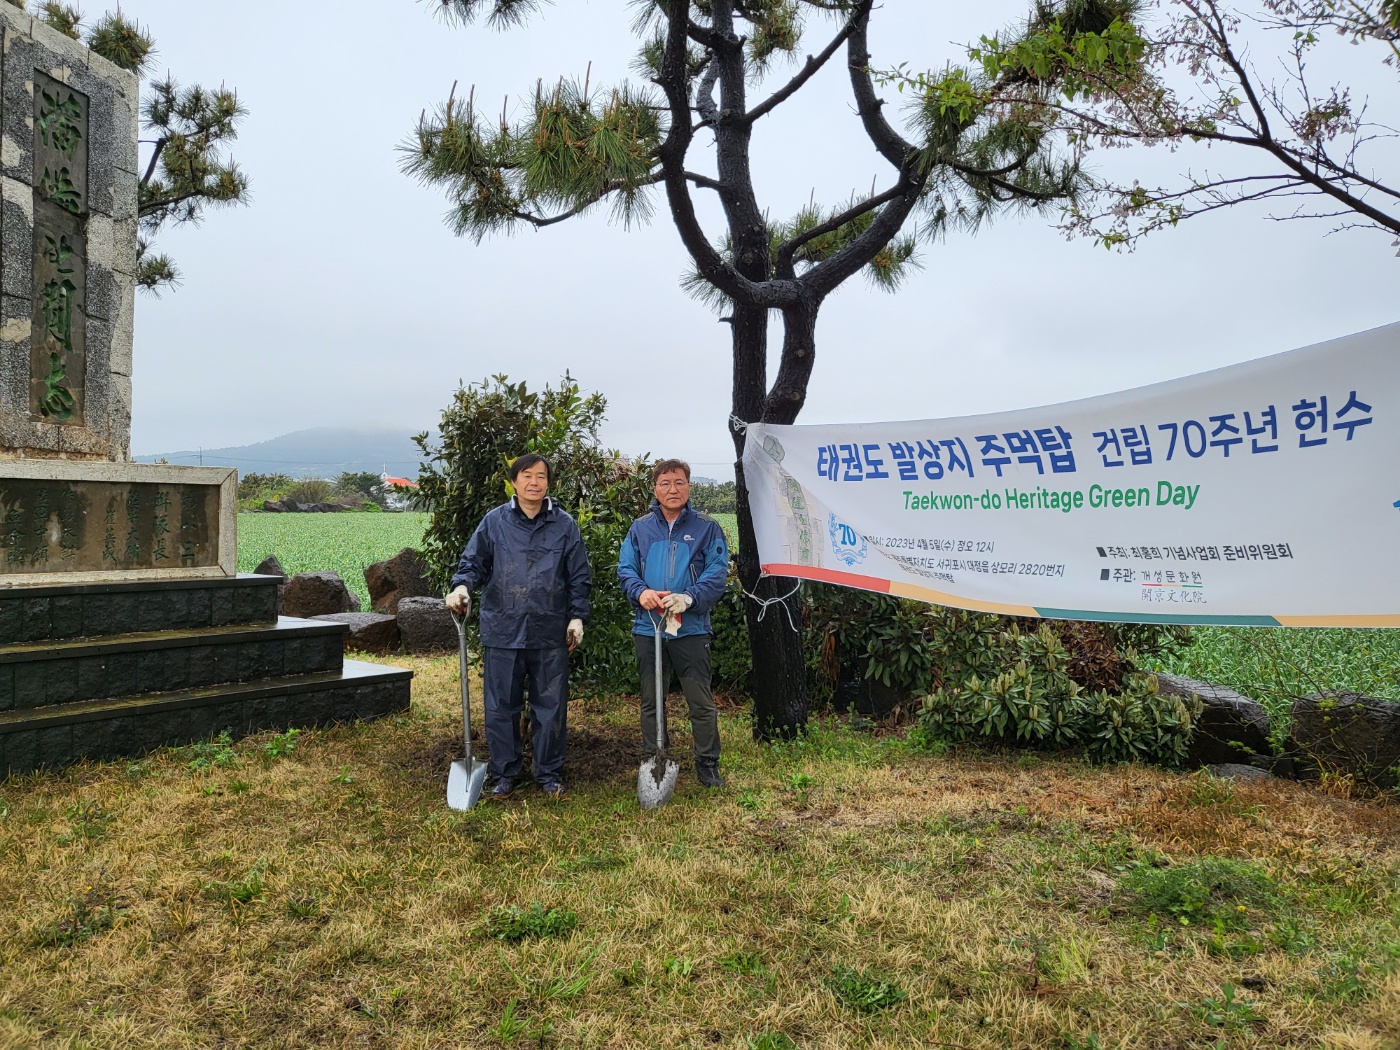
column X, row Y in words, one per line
column 656, row 783
column 464, row 785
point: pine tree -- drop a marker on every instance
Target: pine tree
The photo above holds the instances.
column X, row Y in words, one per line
column 716, row 67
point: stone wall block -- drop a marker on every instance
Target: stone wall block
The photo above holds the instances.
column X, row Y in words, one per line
column 61, row 685
column 16, row 238
column 31, row 685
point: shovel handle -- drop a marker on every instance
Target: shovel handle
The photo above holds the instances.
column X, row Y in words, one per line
column 461, row 624
column 660, row 694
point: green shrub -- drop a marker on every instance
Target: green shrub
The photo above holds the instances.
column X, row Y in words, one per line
column 263, row 486
column 311, row 490
column 1033, row 700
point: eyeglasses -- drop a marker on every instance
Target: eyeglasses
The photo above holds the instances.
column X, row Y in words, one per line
column 666, row 486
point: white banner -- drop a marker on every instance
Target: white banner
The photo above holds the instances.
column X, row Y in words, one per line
column 1265, row 493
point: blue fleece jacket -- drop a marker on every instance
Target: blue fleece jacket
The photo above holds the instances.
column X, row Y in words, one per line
column 689, row 555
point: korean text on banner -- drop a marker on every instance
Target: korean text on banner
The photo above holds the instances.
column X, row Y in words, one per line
column 1265, row 493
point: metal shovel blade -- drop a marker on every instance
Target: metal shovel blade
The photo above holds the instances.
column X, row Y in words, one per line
column 464, row 785
column 656, row 781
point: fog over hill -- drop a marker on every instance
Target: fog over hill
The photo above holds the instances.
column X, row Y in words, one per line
column 321, row 452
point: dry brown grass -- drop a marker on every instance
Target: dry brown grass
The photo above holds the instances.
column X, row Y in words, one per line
column 989, row 888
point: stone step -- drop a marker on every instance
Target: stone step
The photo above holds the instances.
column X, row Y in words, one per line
column 93, row 610
column 52, row 737
column 40, row 675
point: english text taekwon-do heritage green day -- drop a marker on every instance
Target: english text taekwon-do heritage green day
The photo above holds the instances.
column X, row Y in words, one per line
column 1095, row 497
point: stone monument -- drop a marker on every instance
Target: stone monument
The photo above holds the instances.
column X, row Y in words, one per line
column 123, row 622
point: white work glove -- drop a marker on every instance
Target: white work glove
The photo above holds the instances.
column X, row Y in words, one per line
column 673, row 605
column 676, row 603
column 574, row 634
column 460, row 601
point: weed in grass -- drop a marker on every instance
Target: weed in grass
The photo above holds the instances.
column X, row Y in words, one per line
column 513, row 923
column 237, row 787
column 281, row 745
column 679, row 967
column 343, row 777
column 561, row 982
column 213, row 754
column 1081, row 1042
column 864, row 991
column 239, row 893
column 798, row 782
column 1225, row 1011
column 749, row 800
column 771, row 1041
column 303, row 905
column 1291, row 936
column 1211, row 891
column 511, row 1023
column 82, row 921
column 1341, row 979
column 136, row 770
column 87, row 821
column 745, row 964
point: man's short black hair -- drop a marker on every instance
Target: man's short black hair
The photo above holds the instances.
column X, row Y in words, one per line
column 668, row 466
column 527, row 461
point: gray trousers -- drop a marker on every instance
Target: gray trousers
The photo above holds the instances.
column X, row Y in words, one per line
column 689, row 659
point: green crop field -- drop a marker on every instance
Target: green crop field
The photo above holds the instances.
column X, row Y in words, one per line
column 342, row 543
column 1275, row 664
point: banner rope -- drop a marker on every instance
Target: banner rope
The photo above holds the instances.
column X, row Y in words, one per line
column 765, row 603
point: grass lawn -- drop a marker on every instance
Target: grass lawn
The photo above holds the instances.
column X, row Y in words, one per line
column 843, row 892
column 343, row 543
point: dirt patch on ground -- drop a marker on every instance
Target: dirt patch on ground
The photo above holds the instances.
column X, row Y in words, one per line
column 600, row 749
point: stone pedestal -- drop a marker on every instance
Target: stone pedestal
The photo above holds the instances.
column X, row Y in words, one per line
column 116, row 669
column 62, row 520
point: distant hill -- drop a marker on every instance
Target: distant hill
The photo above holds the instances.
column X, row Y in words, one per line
column 322, row 452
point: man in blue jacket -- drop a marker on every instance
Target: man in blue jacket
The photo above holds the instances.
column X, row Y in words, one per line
column 526, row 559
column 673, row 565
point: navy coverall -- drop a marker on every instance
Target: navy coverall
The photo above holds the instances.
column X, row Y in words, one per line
column 532, row 577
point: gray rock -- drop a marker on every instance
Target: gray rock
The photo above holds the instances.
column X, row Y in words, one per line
column 426, row 626
column 270, row 566
column 273, row 506
column 1232, row 728
column 1238, row 771
column 1351, row 734
column 317, row 594
column 402, row 576
column 369, row 632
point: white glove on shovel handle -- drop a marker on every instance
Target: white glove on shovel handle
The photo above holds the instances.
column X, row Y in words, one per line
column 673, row 605
column 574, row 634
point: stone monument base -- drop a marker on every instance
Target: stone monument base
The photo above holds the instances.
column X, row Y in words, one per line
column 103, row 670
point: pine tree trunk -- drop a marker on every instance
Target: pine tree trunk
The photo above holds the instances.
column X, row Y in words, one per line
column 778, row 683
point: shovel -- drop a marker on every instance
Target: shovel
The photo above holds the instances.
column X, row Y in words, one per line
column 467, row 777
column 656, row 780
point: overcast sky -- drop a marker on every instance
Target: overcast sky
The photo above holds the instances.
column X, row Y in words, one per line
column 339, row 297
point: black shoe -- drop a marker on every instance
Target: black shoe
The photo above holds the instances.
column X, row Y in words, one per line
column 503, row 789
column 708, row 774
column 555, row 791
